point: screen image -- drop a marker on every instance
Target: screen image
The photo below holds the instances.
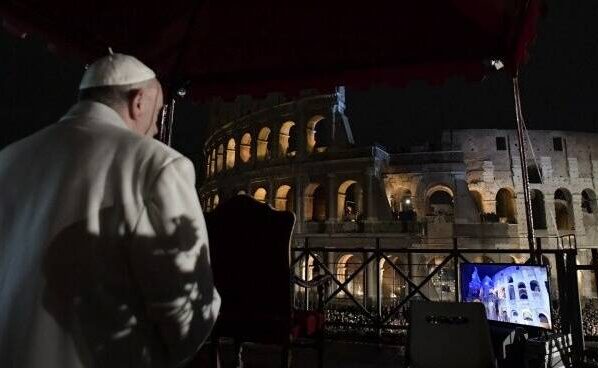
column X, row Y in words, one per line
column 510, row 293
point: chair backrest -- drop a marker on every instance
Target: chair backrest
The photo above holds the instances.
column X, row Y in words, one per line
column 445, row 334
column 250, row 257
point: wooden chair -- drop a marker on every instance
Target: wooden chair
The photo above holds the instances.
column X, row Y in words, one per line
column 250, row 257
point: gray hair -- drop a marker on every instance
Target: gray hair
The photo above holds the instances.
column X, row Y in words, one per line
column 113, row 96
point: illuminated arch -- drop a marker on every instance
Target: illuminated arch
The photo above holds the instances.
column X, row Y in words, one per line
column 260, row 194
column 563, row 209
column 285, row 139
column 440, row 201
column 318, row 139
column 349, row 199
column 263, row 143
column 315, row 202
column 588, row 201
column 506, row 208
column 245, row 148
column 230, row 153
column 215, row 201
column 346, row 266
column 283, row 200
column 393, row 285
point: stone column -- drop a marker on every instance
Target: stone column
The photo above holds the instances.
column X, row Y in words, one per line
column 368, row 183
column 371, row 285
column 299, row 186
column 332, row 194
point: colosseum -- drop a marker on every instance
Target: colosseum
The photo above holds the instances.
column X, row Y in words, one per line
column 301, row 156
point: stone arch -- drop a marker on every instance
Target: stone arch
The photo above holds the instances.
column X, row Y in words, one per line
column 349, row 200
column 315, row 202
column 260, row 194
column 230, row 153
column 215, row 201
column 263, row 144
column 284, row 198
column 245, row 147
column 318, row 139
column 346, row 265
column 220, row 158
column 588, row 201
column 393, row 285
column 538, row 209
column 563, row 210
column 440, row 202
column 522, row 291
column 286, row 140
column 506, row 207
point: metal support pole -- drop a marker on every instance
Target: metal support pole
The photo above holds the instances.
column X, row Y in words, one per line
column 378, row 290
column 456, row 268
column 306, row 270
column 574, row 307
column 595, row 266
column 526, row 193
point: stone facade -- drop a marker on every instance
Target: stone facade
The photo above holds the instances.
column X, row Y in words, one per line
column 300, row 155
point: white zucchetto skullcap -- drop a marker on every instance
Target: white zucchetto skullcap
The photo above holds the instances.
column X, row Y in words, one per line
column 115, row 70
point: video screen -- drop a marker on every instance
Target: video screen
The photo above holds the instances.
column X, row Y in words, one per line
column 511, row 293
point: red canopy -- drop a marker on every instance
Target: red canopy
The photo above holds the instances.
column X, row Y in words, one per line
column 227, row 48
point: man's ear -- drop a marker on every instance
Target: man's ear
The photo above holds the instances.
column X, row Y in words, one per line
column 135, row 103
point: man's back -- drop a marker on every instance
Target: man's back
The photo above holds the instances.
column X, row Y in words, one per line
column 83, row 211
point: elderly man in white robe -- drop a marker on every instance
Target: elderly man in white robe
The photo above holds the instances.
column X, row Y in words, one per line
column 104, row 257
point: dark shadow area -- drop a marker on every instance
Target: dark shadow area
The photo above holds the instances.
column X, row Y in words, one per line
column 125, row 299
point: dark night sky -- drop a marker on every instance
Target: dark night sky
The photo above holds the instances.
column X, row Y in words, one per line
column 559, row 88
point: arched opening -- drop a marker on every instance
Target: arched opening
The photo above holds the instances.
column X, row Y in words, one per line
column 245, row 148
column 538, row 209
column 534, row 286
column 241, row 192
column 315, row 203
column 506, row 208
column 511, row 292
column 346, row 266
column 213, row 162
column 230, row 153
column 588, row 201
column 284, row 198
column 215, row 201
column 286, row 140
column 543, row 319
column 263, row 144
column 318, row 134
column 527, row 315
column 440, row 204
column 260, row 195
column 220, row 158
column 349, row 201
column 534, row 175
column 563, row 210
column 522, row 291
column 393, row 285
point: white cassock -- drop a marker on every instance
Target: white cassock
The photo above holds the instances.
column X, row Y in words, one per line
column 104, row 256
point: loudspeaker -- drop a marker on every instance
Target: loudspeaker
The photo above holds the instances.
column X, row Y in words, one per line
column 449, row 335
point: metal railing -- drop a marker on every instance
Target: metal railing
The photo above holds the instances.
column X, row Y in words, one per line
column 375, row 312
